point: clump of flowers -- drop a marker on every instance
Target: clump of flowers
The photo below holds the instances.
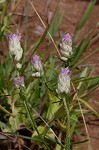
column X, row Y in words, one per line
column 66, row 47
column 15, row 48
column 64, row 81
column 36, row 66
column 19, row 81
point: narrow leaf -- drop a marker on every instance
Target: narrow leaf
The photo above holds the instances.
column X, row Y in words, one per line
column 88, row 105
column 86, row 14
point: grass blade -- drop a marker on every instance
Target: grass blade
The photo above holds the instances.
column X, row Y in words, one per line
column 88, row 105
column 86, row 15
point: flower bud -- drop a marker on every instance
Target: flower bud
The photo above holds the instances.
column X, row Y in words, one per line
column 18, row 65
column 15, row 48
column 64, row 81
column 36, row 66
column 66, row 47
column 19, row 81
column 67, row 39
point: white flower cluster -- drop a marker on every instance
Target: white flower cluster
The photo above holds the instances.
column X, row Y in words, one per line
column 15, row 48
column 36, row 65
column 64, row 81
column 66, row 47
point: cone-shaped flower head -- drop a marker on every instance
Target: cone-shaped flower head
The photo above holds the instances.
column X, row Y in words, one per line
column 36, row 65
column 15, row 48
column 64, row 81
column 19, row 81
column 66, row 47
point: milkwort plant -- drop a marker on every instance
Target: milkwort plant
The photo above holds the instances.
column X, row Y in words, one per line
column 45, row 98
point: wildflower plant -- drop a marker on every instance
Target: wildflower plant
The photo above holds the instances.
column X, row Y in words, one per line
column 44, row 97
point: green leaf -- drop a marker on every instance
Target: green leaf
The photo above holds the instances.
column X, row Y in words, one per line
column 55, row 23
column 6, row 111
column 86, row 14
column 34, row 48
column 26, row 137
column 83, row 84
column 2, row 1
column 87, row 57
column 53, row 105
column 39, row 41
column 6, row 127
column 41, row 130
column 58, row 147
column 82, row 47
column 31, row 86
column 82, row 76
column 35, row 94
column 93, row 83
column 88, row 105
column 19, row 113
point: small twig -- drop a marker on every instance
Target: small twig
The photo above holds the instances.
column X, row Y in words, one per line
column 76, row 96
column 44, row 27
column 24, row 15
column 83, row 134
column 6, row 111
column 88, row 65
column 91, row 123
column 18, row 1
column 90, row 92
column 47, row 5
column 84, row 122
column 14, row 139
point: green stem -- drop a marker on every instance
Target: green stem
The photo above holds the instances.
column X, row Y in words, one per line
column 32, row 120
column 67, row 141
column 6, row 111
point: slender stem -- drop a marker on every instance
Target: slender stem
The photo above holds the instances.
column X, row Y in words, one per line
column 44, row 27
column 67, row 141
column 6, row 111
column 46, row 125
column 89, row 145
column 32, row 120
column 13, row 111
